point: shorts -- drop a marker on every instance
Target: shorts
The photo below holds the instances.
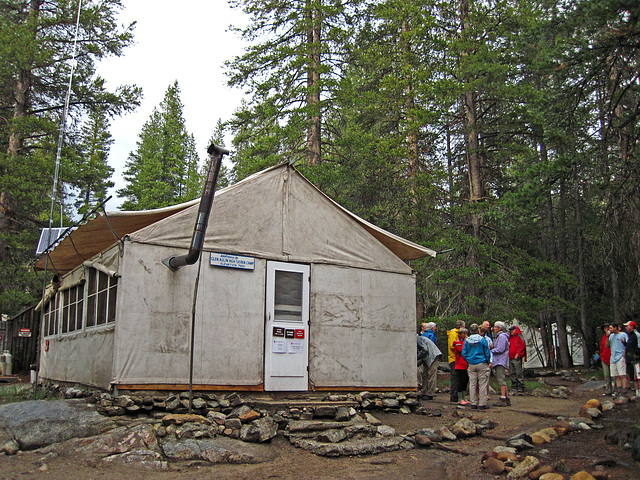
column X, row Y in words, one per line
column 619, row 369
column 636, row 371
column 500, row 373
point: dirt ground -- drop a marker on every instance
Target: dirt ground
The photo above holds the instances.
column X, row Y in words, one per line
column 579, row 450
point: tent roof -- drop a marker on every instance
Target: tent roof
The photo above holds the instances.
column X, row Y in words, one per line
column 256, row 202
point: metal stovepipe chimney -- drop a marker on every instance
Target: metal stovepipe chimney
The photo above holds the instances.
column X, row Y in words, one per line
column 174, row 262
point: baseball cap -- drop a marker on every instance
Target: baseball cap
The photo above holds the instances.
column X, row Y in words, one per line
column 632, row 323
column 512, row 327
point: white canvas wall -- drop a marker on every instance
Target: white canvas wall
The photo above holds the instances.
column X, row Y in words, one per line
column 362, row 331
column 154, row 319
column 85, row 356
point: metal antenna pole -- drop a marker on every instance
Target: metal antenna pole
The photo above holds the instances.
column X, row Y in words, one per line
column 54, row 190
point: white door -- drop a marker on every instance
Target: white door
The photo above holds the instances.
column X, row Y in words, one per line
column 286, row 352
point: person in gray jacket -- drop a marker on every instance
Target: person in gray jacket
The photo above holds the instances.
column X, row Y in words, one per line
column 428, row 354
column 500, row 362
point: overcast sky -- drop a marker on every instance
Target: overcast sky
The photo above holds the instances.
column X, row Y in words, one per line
column 187, row 41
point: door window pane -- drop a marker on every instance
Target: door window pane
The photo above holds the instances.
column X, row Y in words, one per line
column 288, row 296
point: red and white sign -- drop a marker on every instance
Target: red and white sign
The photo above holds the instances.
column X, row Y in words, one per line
column 24, row 332
column 299, row 333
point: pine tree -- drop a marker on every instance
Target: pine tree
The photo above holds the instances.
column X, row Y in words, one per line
column 36, row 46
column 164, row 169
column 91, row 171
column 291, row 71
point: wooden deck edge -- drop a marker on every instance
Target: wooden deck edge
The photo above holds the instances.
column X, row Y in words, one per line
column 252, row 388
column 182, row 387
column 364, row 389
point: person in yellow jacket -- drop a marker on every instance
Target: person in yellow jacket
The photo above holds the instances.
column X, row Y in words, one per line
column 452, row 336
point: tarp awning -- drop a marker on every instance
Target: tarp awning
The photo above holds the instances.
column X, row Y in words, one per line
column 95, row 236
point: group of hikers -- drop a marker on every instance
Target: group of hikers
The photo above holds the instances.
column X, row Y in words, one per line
column 620, row 356
column 473, row 354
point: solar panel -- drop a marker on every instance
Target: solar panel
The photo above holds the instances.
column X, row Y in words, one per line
column 51, row 240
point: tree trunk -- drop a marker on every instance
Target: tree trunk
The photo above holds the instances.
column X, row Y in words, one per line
column 412, row 133
column 563, row 345
column 587, row 334
column 22, row 90
column 615, row 293
column 313, row 84
column 473, row 154
column 21, row 96
column 450, row 174
column 547, row 340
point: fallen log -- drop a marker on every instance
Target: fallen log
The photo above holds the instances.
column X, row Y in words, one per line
column 440, row 446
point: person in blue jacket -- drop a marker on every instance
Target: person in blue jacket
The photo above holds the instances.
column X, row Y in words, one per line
column 477, row 354
column 429, row 330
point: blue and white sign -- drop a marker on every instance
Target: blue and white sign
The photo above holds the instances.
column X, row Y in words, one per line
column 232, row 261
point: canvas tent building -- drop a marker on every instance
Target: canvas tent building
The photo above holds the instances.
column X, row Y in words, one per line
column 295, row 293
column 535, row 349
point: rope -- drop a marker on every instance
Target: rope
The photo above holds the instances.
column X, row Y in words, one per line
column 119, row 240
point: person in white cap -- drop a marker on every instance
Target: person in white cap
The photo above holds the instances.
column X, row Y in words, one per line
column 617, row 341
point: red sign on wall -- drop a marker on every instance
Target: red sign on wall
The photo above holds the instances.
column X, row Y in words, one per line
column 299, row 333
column 24, row 332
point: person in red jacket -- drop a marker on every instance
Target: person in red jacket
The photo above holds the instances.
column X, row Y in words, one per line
column 605, row 357
column 517, row 356
column 460, row 378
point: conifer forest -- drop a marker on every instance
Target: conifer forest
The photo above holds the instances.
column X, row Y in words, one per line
column 502, row 134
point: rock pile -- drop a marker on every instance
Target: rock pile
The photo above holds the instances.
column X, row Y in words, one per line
column 230, row 428
column 511, row 460
column 366, row 435
column 335, row 425
column 204, row 403
column 333, row 439
column 336, row 407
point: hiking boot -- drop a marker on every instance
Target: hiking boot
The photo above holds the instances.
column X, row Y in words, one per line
column 483, row 407
column 502, row 402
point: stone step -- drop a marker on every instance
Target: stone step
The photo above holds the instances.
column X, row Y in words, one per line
column 368, row 446
column 272, row 404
